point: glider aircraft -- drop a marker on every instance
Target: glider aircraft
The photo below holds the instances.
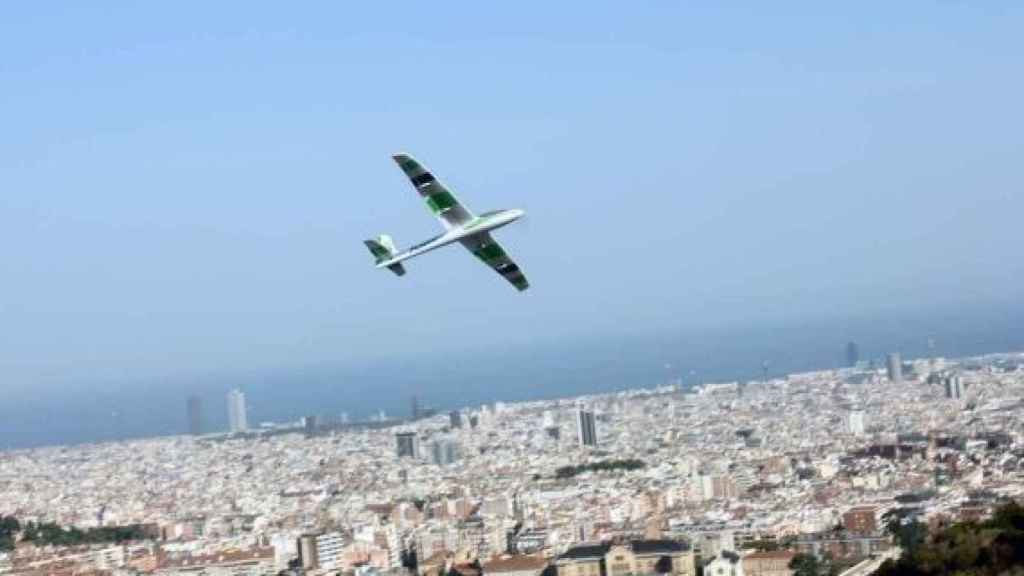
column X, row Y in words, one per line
column 461, row 225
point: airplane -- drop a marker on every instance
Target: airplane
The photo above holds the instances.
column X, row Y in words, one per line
column 461, row 225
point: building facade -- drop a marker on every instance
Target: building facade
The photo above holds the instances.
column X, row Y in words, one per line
column 237, row 418
column 628, row 558
column 852, row 354
column 321, row 551
column 863, row 520
column 586, row 427
column 848, row 548
column 406, row 445
column 444, row 451
column 775, row 563
column 954, row 386
column 894, row 367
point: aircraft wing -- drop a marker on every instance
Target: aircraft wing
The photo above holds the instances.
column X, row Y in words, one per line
column 484, row 247
column 439, row 199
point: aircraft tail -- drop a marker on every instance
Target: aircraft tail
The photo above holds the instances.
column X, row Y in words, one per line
column 383, row 249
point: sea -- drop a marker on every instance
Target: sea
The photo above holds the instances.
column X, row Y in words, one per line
column 155, row 405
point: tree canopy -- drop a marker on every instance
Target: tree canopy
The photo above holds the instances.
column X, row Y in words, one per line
column 602, row 465
column 50, row 533
column 9, row 527
column 991, row 548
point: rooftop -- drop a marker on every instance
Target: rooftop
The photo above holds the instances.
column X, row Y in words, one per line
column 515, row 564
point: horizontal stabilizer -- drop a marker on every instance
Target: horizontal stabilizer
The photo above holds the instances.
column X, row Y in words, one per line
column 383, row 249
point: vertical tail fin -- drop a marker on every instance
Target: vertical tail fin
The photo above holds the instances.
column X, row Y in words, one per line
column 383, row 249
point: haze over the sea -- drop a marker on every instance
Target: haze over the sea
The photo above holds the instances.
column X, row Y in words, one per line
column 105, row 410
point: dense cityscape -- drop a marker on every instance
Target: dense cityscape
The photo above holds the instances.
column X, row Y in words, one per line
column 723, row 479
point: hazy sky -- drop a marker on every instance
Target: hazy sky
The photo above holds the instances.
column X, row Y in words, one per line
column 185, row 187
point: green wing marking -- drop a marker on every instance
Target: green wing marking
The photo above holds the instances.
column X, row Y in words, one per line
column 487, row 249
column 440, row 200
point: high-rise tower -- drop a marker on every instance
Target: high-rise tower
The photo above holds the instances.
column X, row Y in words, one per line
column 894, row 367
column 954, row 386
column 444, row 451
column 237, row 419
column 852, row 354
column 194, row 409
column 406, row 445
column 586, row 426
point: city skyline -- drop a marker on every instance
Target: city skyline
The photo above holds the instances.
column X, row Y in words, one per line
column 706, row 476
column 807, row 351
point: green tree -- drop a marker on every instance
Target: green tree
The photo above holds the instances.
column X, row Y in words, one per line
column 599, row 466
column 910, row 535
column 992, row 548
column 830, row 566
column 31, row 532
column 765, row 545
column 9, row 525
column 1008, row 517
column 9, row 528
column 894, row 518
column 409, row 559
column 805, row 565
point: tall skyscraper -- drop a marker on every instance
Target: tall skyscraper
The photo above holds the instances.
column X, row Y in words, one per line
column 894, row 367
column 586, row 427
column 954, row 386
column 406, row 445
column 194, row 408
column 444, row 451
column 309, row 425
column 415, row 409
column 455, row 419
column 237, row 419
column 852, row 354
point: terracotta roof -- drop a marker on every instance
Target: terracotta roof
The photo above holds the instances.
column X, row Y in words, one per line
column 228, row 557
column 515, row 564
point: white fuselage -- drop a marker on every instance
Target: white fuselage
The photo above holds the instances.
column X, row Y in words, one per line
column 479, row 224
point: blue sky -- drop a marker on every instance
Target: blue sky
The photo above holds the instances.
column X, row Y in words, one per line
column 184, row 187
